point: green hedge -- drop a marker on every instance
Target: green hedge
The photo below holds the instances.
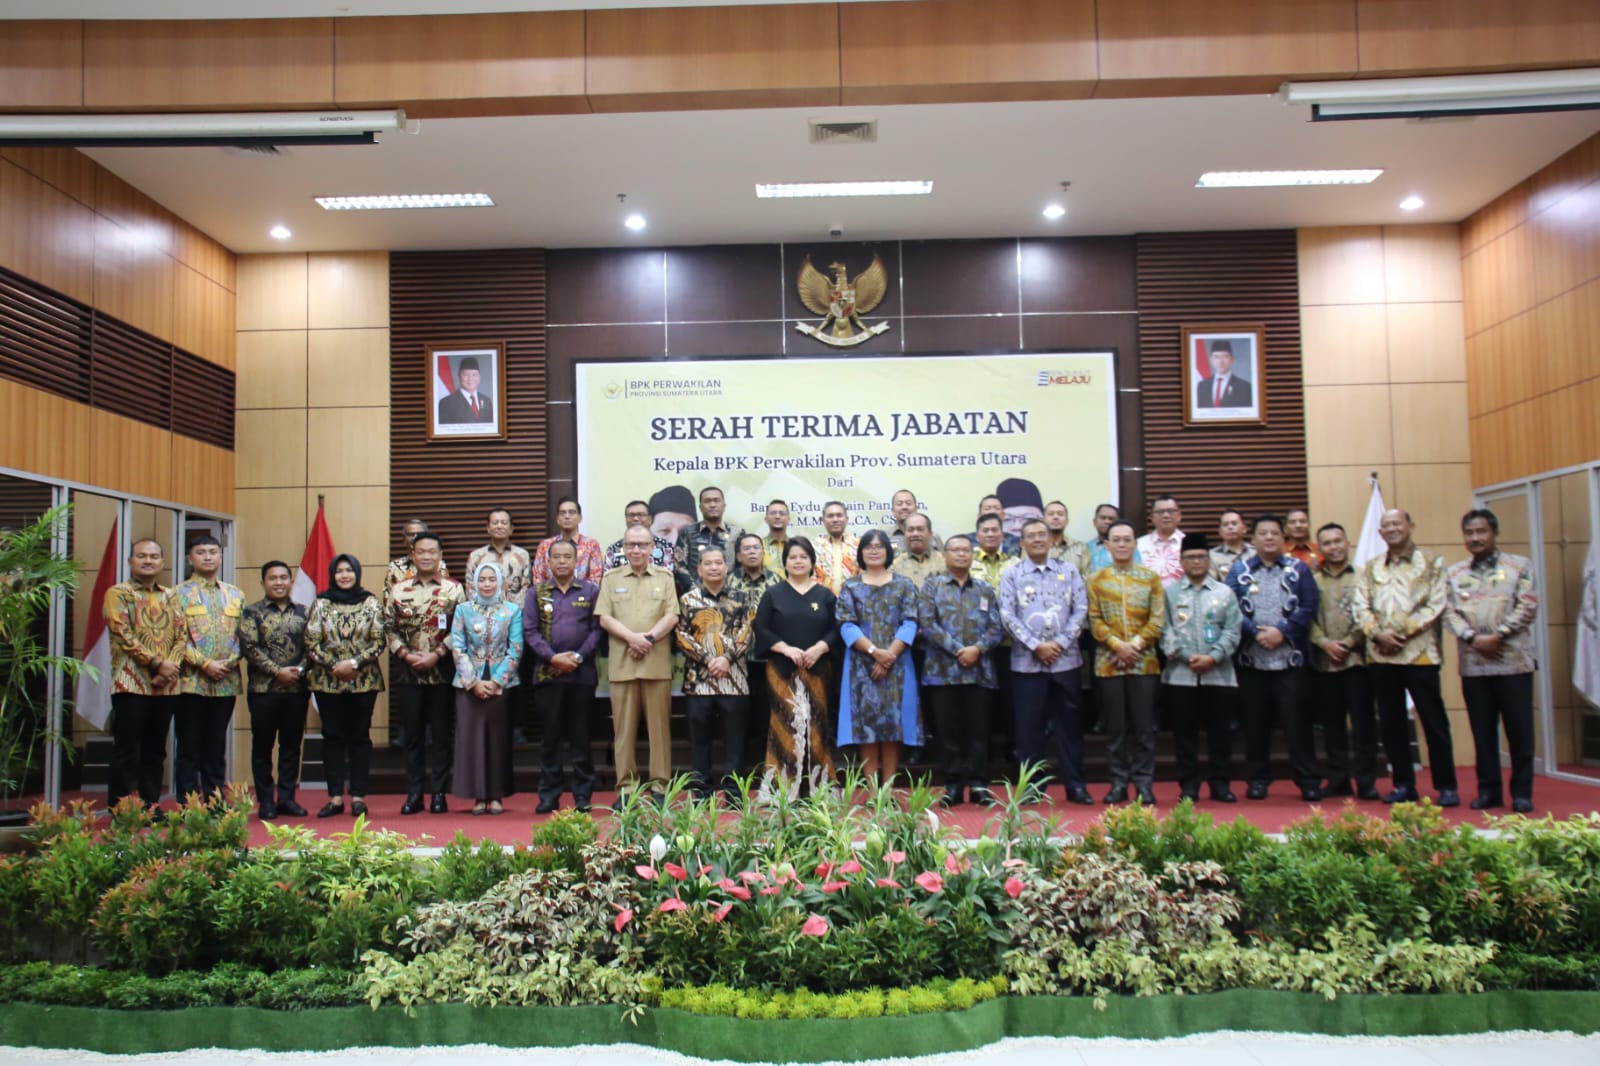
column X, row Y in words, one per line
column 115, row 1032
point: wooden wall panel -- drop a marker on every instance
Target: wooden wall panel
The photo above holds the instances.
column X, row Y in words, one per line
column 131, row 209
column 434, row 65
column 129, row 455
column 66, row 169
column 43, row 434
column 1437, row 35
column 1531, row 296
column 45, row 235
column 202, row 476
column 208, row 65
column 205, row 256
column 658, row 59
column 937, row 51
column 41, row 66
column 202, row 317
column 1154, row 40
column 272, row 292
column 347, row 290
column 132, row 278
column 1199, row 278
column 450, row 297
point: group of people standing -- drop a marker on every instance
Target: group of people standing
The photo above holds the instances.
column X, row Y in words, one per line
column 819, row 649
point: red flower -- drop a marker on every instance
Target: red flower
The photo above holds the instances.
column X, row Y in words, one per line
column 676, row 872
column 816, row 925
column 930, row 881
column 895, row 858
column 889, row 882
column 824, row 869
column 1014, row 886
column 952, row 865
column 646, row 872
column 623, row 918
column 772, row 890
column 751, row 877
column 672, row 903
column 739, row 892
column 830, row 887
column 850, row 867
column 721, row 912
column 725, row 884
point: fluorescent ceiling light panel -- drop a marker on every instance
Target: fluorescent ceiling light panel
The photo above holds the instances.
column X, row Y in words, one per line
column 798, row 189
column 1461, row 94
column 404, row 201
column 1259, row 179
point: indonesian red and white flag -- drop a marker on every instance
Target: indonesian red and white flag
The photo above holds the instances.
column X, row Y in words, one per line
column 444, row 382
column 94, row 689
column 1370, row 544
column 313, row 576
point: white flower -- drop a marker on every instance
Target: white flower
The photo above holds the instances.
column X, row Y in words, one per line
column 933, row 822
column 658, row 848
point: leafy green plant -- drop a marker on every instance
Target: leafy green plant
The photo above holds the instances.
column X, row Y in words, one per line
column 227, row 984
column 157, row 920
column 940, row 994
column 261, row 916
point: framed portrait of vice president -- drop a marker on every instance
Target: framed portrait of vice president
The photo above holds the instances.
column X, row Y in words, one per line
column 1223, row 374
column 466, row 391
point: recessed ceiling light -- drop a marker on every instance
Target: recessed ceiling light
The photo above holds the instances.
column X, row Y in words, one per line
column 405, row 200
column 1411, row 203
column 634, row 222
column 787, row 190
column 1255, row 179
column 279, row 232
column 1054, row 211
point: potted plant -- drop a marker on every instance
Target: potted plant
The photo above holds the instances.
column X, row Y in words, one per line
column 30, row 574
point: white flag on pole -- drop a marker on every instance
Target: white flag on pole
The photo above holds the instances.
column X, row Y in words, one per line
column 1586, row 656
column 1370, row 544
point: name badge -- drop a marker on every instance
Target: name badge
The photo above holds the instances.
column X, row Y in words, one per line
column 196, row 610
column 983, row 603
column 231, row 612
column 442, row 621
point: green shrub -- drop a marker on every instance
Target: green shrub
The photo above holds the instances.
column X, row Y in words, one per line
column 226, row 985
column 1136, row 833
column 262, row 917
column 463, row 872
column 159, row 919
column 560, row 842
column 720, row 1000
column 16, row 907
column 1516, row 967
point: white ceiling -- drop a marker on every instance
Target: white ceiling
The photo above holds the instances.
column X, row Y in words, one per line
column 1132, row 164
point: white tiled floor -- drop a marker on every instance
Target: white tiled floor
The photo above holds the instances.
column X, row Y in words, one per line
column 1208, row 1049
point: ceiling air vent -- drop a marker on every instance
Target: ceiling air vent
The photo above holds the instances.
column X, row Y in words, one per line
column 844, row 132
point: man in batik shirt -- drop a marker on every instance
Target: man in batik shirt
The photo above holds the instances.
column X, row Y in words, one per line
column 959, row 625
column 710, row 531
column 147, row 644
column 714, row 632
column 1063, row 548
column 591, row 560
column 1492, row 603
column 1339, row 683
column 1399, row 602
column 1127, row 612
column 416, row 621
column 836, row 550
column 272, row 636
column 210, row 610
column 637, row 513
column 403, row 567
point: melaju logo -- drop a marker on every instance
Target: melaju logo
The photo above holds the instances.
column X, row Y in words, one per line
column 1074, row 377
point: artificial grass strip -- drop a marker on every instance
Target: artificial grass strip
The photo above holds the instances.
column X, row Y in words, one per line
column 1155, row 1017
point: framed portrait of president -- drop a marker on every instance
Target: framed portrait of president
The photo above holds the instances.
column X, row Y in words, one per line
column 1223, row 379
column 466, row 391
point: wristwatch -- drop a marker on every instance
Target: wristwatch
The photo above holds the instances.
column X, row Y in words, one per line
column 577, row 657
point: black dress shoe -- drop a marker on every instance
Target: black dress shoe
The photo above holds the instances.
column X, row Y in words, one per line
column 1081, row 795
column 1224, row 795
column 268, row 812
column 1449, row 797
column 1402, row 795
column 1341, row 788
column 358, row 808
column 438, row 806
column 413, row 804
column 951, row 798
column 1522, row 805
column 1147, row 796
column 1311, row 795
column 583, row 806
column 1369, row 792
column 1192, row 797
column 1256, row 791
column 985, row 798
column 291, row 808
column 330, row 810
column 1486, row 800
column 545, row 807
column 1116, row 796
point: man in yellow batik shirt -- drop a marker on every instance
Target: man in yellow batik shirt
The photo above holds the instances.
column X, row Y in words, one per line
column 146, row 658
column 1398, row 602
column 1127, row 612
column 209, row 685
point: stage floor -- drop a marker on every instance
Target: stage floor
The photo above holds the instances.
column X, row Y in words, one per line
column 1282, row 806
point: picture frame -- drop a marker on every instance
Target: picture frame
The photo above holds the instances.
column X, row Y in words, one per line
column 461, row 406
column 1223, row 379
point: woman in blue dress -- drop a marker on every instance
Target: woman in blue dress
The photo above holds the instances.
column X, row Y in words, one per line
column 486, row 640
column 877, row 615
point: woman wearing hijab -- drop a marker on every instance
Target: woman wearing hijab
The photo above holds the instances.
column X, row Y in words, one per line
column 486, row 639
column 344, row 641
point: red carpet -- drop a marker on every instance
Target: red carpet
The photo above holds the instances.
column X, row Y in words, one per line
column 1282, row 806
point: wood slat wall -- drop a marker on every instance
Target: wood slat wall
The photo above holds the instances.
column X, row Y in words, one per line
column 467, row 297
column 1197, row 279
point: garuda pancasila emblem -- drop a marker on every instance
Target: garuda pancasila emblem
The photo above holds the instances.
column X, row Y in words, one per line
column 841, row 302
